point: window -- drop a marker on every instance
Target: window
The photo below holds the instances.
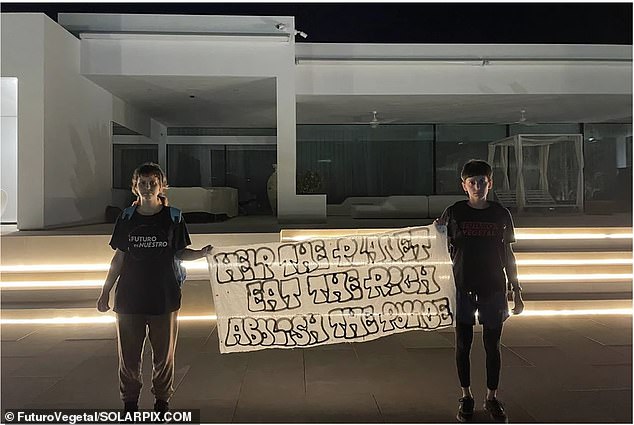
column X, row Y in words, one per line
column 196, row 165
column 244, row 167
column 608, row 164
column 357, row 160
column 455, row 145
column 248, row 170
column 126, row 158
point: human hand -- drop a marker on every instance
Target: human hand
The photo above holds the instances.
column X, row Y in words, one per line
column 518, row 308
column 102, row 302
column 206, row 250
column 440, row 224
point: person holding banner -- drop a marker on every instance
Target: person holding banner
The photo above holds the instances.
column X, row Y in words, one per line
column 479, row 235
column 149, row 240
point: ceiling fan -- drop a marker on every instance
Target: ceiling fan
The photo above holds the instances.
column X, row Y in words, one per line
column 523, row 120
column 375, row 121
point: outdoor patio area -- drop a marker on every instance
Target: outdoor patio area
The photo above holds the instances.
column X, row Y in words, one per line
column 555, row 369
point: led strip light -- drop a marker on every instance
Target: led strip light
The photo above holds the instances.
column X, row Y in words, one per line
column 43, row 268
column 549, row 236
column 87, row 284
column 107, row 319
column 583, row 277
column 77, row 320
column 520, row 234
column 576, row 262
column 532, row 277
column 202, row 265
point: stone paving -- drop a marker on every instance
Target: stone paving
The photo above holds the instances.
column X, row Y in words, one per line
column 555, row 369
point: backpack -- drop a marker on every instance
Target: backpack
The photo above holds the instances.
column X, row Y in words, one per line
column 179, row 270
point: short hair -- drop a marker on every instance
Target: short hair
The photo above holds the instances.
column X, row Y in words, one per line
column 476, row 167
column 149, row 169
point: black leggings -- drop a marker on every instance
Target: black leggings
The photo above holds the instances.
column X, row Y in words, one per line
column 491, row 338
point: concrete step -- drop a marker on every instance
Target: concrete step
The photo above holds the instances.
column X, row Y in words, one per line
column 69, row 270
column 91, row 315
column 196, row 298
column 528, row 263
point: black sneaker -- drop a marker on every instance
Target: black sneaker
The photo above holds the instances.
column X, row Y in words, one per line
column 129, row 407
column 496, row 410
column 465, row 409
column 161, row 407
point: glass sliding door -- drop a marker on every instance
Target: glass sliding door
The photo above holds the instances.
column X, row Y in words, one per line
column 344, row 161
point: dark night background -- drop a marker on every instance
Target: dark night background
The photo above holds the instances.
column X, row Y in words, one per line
column 512, row 23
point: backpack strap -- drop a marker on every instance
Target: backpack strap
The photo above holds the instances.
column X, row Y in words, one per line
column 127, row 213
column 176, row 215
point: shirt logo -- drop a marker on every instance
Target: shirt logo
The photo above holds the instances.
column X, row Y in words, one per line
column 478, row 228
column 147, row 241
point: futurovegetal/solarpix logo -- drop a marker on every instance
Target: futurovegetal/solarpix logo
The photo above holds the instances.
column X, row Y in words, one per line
column 73, row 417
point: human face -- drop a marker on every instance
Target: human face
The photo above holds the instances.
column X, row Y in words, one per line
column 148, row 187
column 477, row 187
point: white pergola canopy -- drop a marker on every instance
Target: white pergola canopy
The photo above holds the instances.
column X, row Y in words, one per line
column 523, row 195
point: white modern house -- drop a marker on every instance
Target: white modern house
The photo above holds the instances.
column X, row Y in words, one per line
column 359, row 130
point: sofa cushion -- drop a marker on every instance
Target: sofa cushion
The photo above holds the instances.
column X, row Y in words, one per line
column 189, row 199
column 398, row 206
column 438, row 203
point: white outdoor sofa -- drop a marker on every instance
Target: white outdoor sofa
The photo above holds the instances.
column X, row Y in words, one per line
column 213, row 200
column 399, row 206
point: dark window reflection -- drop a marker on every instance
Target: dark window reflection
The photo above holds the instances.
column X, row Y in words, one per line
column 244, row 167
column 343, row 161
column 126, row 158
column 455, row 145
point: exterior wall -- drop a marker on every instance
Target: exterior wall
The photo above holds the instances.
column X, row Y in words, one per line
column 64, row 147
column 77, row 133
column 220, row 58
column 64, row 131
column 23, row 57
column 405, row 69
column 158, row 134
column 129, row 117
column 9, row 148
column 463, row 79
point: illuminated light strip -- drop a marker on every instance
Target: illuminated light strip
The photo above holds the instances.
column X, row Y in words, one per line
column 60, row 321
column 533, row 236
column 208, row 317
column 572, row 262
column 190, row 265
column 582, row 312
column 196, row 265
column 55, row 268
column 200, row 266
column 527, row 262
column 53, row 284
column 581, row 277
column 520, row 234
column 320, row 237
column 75, row 320
column 576, row 277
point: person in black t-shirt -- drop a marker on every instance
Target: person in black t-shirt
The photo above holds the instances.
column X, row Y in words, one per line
column 148, row 295
column 479, row 235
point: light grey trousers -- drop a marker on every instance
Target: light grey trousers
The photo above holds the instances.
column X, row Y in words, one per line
column 162, row 331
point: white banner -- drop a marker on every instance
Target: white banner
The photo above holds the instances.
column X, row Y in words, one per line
column 331, row 290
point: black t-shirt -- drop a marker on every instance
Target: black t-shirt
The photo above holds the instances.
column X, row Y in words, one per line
column 477, row 241
column 147, row 284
